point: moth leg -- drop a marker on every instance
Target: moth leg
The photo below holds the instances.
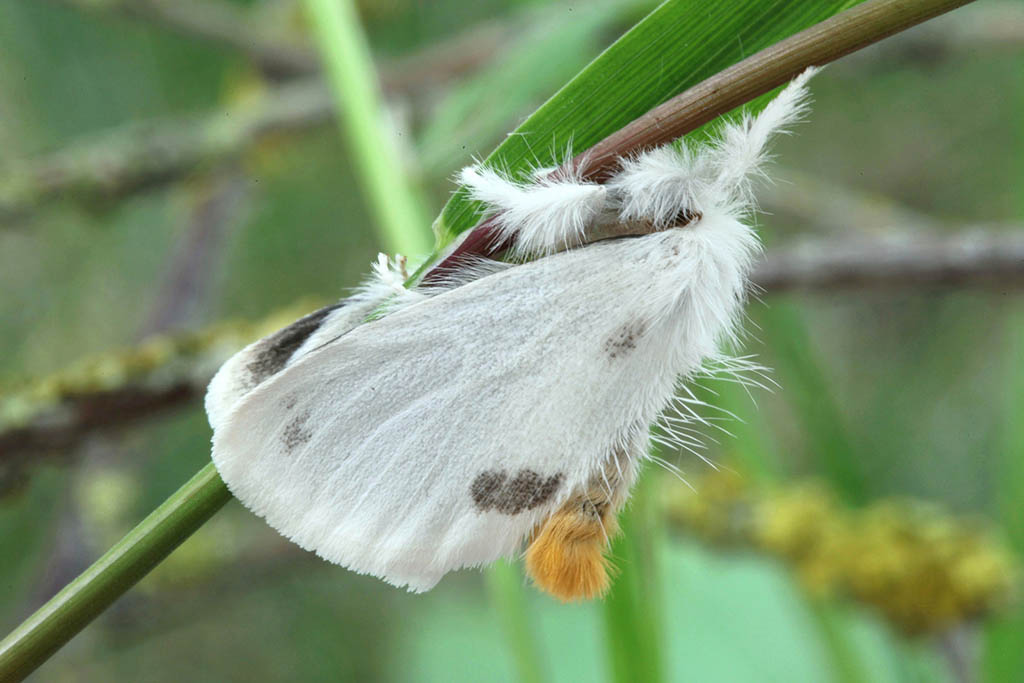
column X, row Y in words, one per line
column 549, row 214
column 675, row 185
column 568, row 553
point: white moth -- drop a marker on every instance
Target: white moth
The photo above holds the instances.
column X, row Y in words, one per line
column 514, row 402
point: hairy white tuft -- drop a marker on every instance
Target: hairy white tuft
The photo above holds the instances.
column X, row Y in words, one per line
column 549, row 215
column 741, row 149
column 660, row 184
column 385, row 288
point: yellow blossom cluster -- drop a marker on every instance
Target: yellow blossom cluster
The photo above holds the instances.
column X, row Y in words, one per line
column 923, row 569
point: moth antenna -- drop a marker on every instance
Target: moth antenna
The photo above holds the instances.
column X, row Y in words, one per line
column 551, row 214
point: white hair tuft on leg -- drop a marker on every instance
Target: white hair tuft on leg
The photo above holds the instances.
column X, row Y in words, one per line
column 659, row 183
column 667, row 183
column 741, row 149
column 385, row 288
column 549, row 215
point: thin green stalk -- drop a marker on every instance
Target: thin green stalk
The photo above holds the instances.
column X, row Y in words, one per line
column 109, row 577
column 632, row 610
column 808, row 390
column 751, row 444
column 755, row 452
column 505, row 585
column 846, row 665
column 375, row 155
column 1003, row 656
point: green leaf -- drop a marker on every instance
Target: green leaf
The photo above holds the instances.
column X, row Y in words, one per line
column 374, row 152
column 808, row 389
column 678, row 45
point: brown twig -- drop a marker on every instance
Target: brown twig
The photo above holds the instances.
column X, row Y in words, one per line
column 143, row 155
column 834, row 209
column 287, row 55
column 980, row 259
column 64, row 427
column 54, row 413
column 195, row 266
column 756, row 75
column 973, row 258
column 220, row 23
column 110, row 166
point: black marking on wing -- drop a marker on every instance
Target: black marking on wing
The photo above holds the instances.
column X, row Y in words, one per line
column 296, row 433
column 272, row 353
column 624, row 340
column 493, row 490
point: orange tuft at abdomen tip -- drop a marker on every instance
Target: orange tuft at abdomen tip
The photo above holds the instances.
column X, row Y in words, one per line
column 568, row 555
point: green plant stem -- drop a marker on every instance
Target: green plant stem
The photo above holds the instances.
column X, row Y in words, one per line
column 810, row 393
column 109, row 577
column 1003, row 655
column 846, row 666
column 375, row 155
column 632, row 610
column 505, row 586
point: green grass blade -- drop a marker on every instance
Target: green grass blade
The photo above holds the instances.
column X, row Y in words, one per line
column 752, row 445
column 805, row 385
column 632, row 609
column 508, row 595
column 400, row 218
column 109, row 577
column 1004, row 637
column 1003, row 656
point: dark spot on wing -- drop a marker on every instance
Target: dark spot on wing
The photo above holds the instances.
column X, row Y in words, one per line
column 272, row 353
column 296, row 433
column 486, row 488
column 624, row 339
column 526, row 490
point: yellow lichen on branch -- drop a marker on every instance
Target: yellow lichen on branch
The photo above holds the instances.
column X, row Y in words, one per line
column 52, row 412
column 922, row 568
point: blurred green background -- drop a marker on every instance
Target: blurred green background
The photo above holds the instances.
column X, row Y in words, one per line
column 885, row 393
